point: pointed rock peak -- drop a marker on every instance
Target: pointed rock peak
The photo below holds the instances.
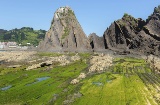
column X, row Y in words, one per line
column 157, row 9
column 155, row 15
column 96, row 42
column 92, row 34
column 64, row 9
column 65, row 33
column 127, row 20
column 62, row 12
column 128, row 17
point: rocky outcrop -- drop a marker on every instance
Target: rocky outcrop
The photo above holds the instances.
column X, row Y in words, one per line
column 63, row 60
column 39, row 65
column 126, row 35
column 153, row 23
column 80, row 77
column 17, row 56
column 96, row 42
column 154, row 63
column 100, row 63
column 151, row 33
column 122, row 34
column 135, row 35
column 74, row 81
column 65, row 33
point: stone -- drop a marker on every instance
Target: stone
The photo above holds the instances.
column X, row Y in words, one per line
column 96, row 42
column 82, row 76
column 14, row 66
column 75, row 58
column 65, row 34
column 74, row 81
column 131, row 35
column 100, row 63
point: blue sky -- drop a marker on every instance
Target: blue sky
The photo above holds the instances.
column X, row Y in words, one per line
column 93, row 15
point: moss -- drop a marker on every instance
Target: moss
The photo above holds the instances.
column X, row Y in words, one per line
column 41, row 92
column 157, row 9
column 130, row 19
column 66, row 32
column 121, row 23
column 125, row 15
column 70, row 12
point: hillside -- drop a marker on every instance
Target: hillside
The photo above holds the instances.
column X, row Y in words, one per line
column 22, row 36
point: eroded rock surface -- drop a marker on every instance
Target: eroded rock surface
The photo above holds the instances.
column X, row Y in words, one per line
column 100, row 63
column 65, row 33
column 154, row 62
column 17, row 56
column 96, row 42
column 135, row 35
column 63, row 60
column 80, row 77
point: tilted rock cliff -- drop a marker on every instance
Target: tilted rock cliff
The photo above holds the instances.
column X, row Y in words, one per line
column 65, row 33
column 153, row 23
column 127, row 35
column 135, row 35
column 122, row 34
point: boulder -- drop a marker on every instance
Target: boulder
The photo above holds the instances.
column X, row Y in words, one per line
column 100, row 63
column 74, row 81
column 82, row 76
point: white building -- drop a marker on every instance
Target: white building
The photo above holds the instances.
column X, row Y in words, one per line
column 4, row 45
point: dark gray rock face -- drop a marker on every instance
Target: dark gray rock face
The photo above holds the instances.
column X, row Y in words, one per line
column 135, row 35
column 153, row 24
column 128, row 35
column 96, row 42
column 122, row 34
column 151, row 33
column 65, row 33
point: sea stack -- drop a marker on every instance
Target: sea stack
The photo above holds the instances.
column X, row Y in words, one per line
column 65, row 33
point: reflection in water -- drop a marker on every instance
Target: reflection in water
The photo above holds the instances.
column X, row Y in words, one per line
column 38, row 80
column 6, row 88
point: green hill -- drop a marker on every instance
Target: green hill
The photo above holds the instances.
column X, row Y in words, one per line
column 22, row 36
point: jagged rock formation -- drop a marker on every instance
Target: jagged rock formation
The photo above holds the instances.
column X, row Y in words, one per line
column 127, row 35
column 122, row 34
column 135, row 35
column 153, row 23
column 96, row 42
column 151, row 33
column 65, row 33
